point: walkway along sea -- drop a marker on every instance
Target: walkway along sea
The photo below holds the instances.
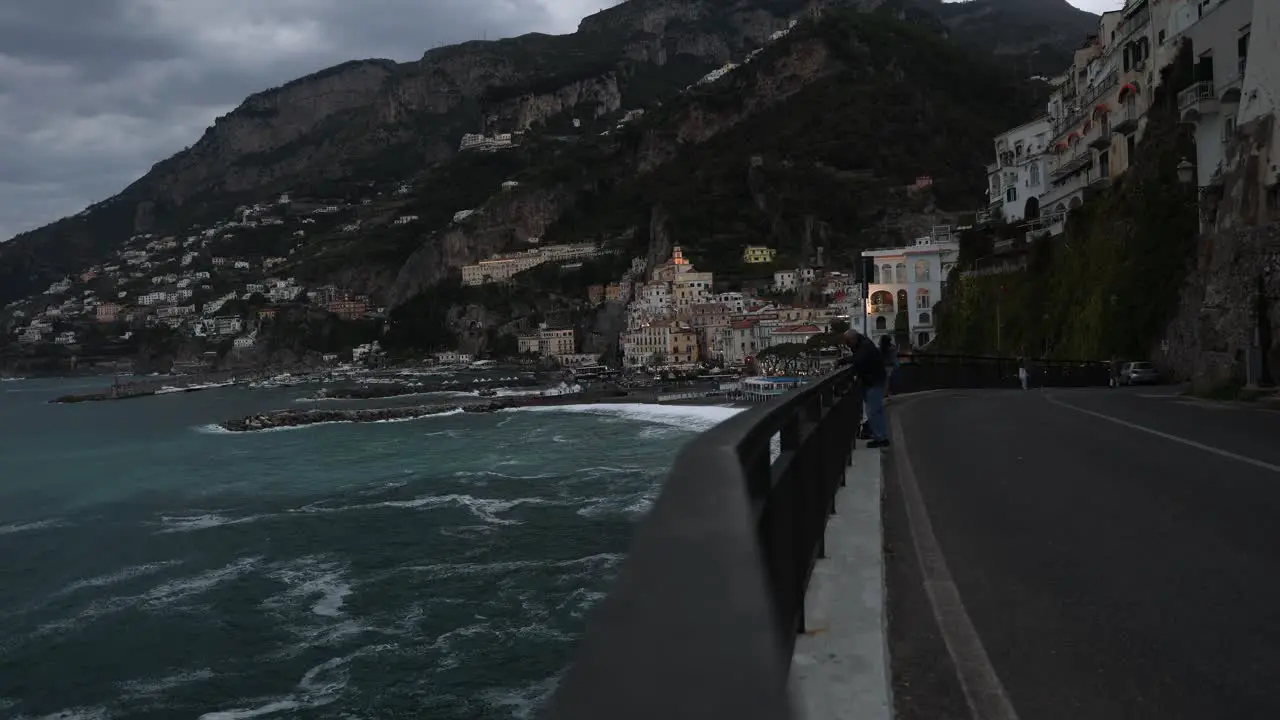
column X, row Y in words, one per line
column 157, row 566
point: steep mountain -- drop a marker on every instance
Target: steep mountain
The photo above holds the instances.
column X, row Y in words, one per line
column 810, row 144
column 1035, row 36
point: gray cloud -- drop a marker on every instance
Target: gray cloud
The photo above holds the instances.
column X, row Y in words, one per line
column 92, row 93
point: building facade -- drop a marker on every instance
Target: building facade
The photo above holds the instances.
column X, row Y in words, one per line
column 906, row 284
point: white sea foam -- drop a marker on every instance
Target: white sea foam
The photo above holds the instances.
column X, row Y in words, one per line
column 81, row 713
column 486, row 509
column 118, row 576
column 695, row 418
column 188, row 523
column 162, row 596
column 134, row 689
column 521, row 702
column 30, row 527
column 314, row 577
column 321, row 685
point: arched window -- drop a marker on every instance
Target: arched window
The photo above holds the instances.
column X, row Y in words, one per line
column 922, row 299
column 1033, row 171
column 882, row 323
column 902, row 272
column 882, row 301
column 886, row 274
column 922, row 339
column 922, row 271
column 925, row 319
column 875, row 274
column 902, row 301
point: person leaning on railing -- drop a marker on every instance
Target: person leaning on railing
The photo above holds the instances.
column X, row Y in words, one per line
column 869, row 365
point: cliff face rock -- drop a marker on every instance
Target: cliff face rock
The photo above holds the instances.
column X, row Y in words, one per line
column 1227, row 303
column 509, row 219
column 744, row 92
column 596, row 96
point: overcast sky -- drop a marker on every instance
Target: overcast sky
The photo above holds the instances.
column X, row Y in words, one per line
column 93, row 92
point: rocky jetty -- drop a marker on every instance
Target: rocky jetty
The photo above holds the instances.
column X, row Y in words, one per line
column 375, row 391
column 110, row 394
column 299, row 418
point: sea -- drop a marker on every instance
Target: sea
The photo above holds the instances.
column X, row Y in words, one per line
column 155, row 566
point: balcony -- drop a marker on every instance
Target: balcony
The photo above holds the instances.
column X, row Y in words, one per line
column 1125, row 119
column 1198, row 100
column 1099, row 136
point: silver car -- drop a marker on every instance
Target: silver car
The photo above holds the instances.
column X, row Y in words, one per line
column 1139, row 373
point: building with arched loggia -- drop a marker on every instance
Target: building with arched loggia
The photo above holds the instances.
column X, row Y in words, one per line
column 908, row 281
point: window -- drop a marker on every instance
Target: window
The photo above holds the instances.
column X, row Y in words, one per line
column 924, row 318
column 1011, row 195
column 881, row 301
column 922, row 271
column 902, row 272
column 1160, row 39
column 882, row 323
column 1034, row 172
column 922, row 299
column 886, row 274
column 902, row 301
column 922, row 339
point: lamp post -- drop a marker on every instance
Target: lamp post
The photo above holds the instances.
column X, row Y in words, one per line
column 1186, row 172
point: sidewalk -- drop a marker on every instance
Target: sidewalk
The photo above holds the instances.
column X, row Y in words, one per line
column 840, row 665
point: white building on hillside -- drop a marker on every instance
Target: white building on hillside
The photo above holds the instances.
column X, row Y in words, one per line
column 1220, row 36
column 909, row 281
column 1017, row 178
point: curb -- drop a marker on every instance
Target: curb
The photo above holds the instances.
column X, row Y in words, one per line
column 840, row 667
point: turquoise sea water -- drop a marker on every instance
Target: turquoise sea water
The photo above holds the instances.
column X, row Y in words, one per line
column 151, row 567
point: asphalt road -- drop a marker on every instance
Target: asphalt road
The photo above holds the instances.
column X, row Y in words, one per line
column 1124, row 569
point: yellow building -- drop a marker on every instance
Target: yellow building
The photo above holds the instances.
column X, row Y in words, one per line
column 757, row 254
column 683, row 348
column 548, row 342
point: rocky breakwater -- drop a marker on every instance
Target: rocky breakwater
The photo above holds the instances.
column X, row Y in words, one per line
column 375, row 391
column 300, row 418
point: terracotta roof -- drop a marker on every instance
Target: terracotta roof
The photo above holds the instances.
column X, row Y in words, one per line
column 798, row 329
column 743, row 324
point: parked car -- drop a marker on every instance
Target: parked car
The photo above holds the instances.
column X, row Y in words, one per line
column 1139, row 373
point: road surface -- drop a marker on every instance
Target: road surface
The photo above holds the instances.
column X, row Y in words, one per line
column 1116, row 554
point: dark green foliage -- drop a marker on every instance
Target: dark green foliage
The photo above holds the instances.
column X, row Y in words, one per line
column 897, row 102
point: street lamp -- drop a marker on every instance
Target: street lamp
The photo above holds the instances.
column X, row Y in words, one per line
column 1186, row 172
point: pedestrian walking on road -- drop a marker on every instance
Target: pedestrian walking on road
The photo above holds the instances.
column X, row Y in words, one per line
column 889, row 353
column 869, row 366
column 1023, row 374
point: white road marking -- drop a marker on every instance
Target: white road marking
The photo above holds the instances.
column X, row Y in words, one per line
column 1167, row 436
column 982, row 688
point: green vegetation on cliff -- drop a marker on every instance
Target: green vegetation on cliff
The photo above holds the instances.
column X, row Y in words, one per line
column 1109, row 285
column 823, row 131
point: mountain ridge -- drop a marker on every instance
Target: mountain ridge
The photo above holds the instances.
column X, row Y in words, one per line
column 336, row 123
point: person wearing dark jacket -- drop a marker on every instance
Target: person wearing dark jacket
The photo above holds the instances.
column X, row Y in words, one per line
column 869, row 365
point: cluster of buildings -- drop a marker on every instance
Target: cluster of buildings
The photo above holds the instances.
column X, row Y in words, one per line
column 501, row 268
column 727, row 68
column 180, row 283
column 1096, row 116
column 676, row 318
column 488, row 143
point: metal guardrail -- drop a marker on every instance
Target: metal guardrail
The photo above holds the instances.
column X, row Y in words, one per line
column 933, row 372
column 702, row 619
